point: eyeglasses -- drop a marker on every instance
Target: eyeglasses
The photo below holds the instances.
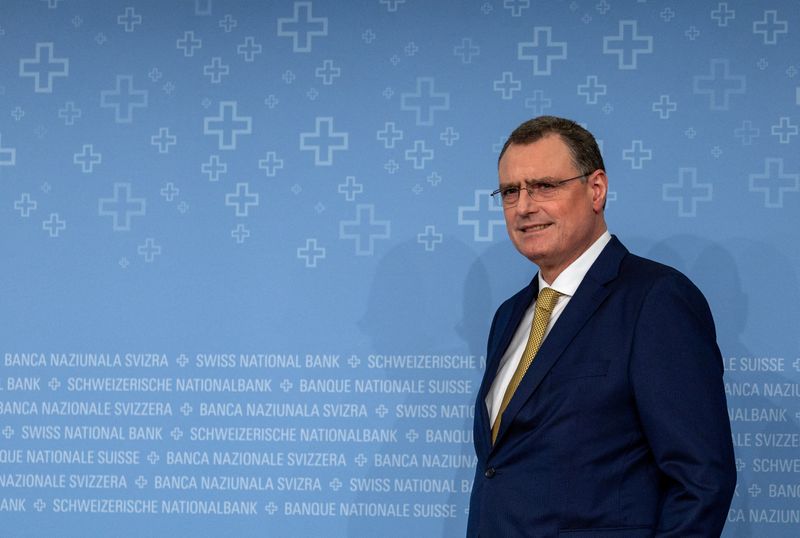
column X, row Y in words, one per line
column 541, row 191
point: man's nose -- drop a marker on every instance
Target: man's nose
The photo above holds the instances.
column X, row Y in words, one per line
column 526, row 204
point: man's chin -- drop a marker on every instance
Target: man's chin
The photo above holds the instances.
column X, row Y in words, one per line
column 531, row 248
column 534, row 255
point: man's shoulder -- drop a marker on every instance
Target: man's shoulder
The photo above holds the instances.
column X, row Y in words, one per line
column 653, row 276
column 639, row 265
column 618, row 268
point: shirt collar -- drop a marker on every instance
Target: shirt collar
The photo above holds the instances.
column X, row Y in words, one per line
column 570, row 278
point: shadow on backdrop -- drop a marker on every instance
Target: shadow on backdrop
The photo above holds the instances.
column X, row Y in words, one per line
column 752, row 321
column 416, row 305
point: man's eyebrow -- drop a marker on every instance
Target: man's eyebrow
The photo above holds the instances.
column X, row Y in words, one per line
column 528, row 181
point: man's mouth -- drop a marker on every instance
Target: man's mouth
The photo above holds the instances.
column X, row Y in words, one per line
column 534, row 228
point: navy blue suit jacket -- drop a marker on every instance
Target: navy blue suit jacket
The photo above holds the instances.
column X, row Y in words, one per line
column 619, row 427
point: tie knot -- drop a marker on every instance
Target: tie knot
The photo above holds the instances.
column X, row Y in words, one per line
column 547, row 299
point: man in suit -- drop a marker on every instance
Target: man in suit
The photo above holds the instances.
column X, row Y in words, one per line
column 602, row 410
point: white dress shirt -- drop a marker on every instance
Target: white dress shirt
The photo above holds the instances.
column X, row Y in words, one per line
column 566, row 283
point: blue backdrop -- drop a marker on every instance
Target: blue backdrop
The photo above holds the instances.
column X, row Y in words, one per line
column 249, row 259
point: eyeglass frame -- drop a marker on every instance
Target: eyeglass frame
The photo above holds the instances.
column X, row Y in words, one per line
column 528, row 185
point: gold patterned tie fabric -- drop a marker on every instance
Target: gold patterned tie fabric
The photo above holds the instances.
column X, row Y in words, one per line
column 541, row 317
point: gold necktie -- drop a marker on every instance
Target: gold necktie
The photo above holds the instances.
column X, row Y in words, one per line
column 541, row 317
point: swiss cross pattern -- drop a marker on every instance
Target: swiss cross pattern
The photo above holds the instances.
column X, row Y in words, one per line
column 719, row 84
column 538, row 103
column 129, row 20
column 425, row 101
column 350, row 188
column 466, row 50
column 723, row 14
column 163, row 140
column 628, row 45
column 241, row 200
column 365, row 229
column 249, row 49
column 270, row 163
column 310, row 139
column 25, row 205
column 542, row 51
column 54, row 225
column 302, row 27
column 770, row 28
column 687, row 191
column 506, row 86
column 44, row 68
column 69, row 113
column 124, row 98
column 215, row 70
column 87, row 158
column 122, row 206
column 774, row 182
column 637, row 154
column 592, row 89
column 228, row 125
column 189, row 43
column 311, row 253
column 324, row 141
column 483, row 216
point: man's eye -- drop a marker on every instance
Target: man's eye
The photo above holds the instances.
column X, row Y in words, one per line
column 544, row 186
column 511, row 191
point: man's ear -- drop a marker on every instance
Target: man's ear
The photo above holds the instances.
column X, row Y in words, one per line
column 598, row 181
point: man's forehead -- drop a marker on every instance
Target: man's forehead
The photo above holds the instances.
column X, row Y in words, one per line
column 542, row 159
column 549, row 145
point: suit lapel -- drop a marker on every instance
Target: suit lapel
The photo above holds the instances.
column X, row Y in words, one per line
column 509, row 322
column 588, row 297
column 525, row 298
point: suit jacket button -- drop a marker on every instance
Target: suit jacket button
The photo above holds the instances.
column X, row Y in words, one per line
column 489, row 472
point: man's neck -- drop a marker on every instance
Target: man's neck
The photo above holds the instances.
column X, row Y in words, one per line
column 549, row 275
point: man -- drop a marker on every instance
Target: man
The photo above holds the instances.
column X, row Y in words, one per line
column 602, row 411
